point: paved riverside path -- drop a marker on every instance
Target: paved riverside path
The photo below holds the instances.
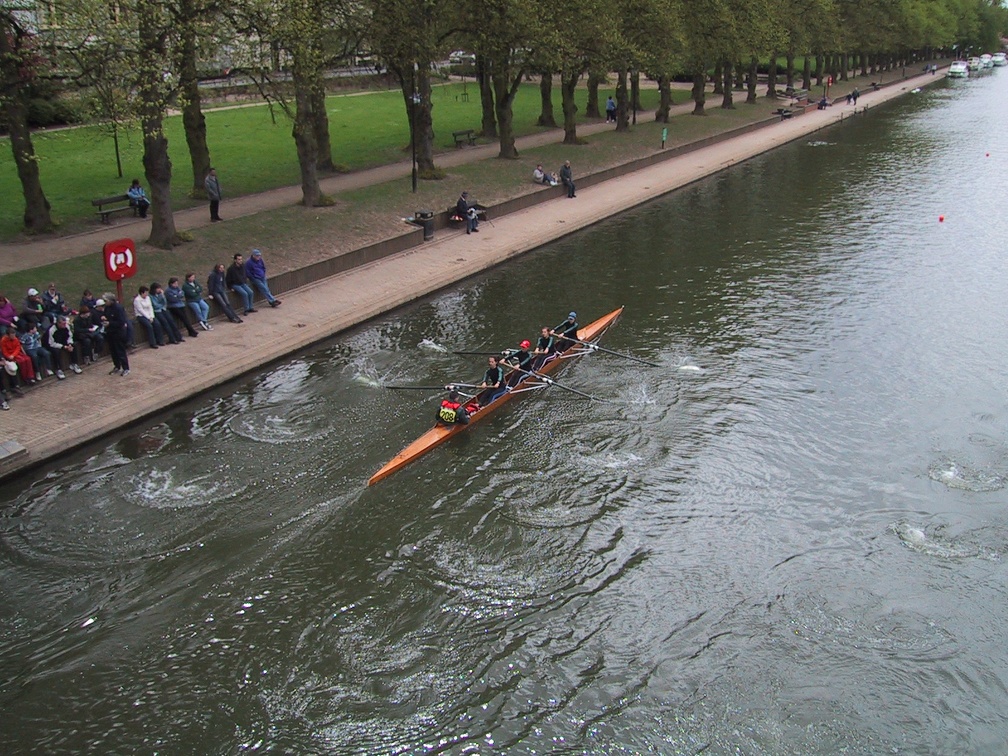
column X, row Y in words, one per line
column 24, row 255
column 47, row 421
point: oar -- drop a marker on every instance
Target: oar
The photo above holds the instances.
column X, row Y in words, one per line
column 550, row 382
column 480, row 354
column 596, row 348
column 447, row 387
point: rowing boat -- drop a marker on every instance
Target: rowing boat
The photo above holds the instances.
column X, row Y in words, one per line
column 441, row 433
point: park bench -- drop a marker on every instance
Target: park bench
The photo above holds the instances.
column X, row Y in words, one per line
column 783, row 113
column 797, row 95
column 466, row 136
column 109, row 206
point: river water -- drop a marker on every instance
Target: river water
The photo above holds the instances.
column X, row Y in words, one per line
column 788, row 538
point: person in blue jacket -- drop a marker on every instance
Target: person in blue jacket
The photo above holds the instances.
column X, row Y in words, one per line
column 177, row 305
column 255, row 269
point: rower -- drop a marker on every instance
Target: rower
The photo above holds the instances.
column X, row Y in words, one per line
column 493, row 381
column 520, row 358
column 545, row 349
column 568, row 328
column 452, row 411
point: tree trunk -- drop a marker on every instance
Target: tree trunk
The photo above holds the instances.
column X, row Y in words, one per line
column 806, row 80
column 568, row 82
column 771, row 91
column 304, row 133
column 718, row 82
column 699, row 98
column 592, row 107
column 726, row 100
column 546, row 96
column 820, row 66
column 789, row 71
column 622, row 100
column 504, row 93
column 489, row 126
column 845, row 58
column 635, row 102
column 752, row 84
column 193, row 121
column 320, row 125
column 664, row 99
column 37, row 218
column 424, row 124
column 740, row 76
column 152, row 97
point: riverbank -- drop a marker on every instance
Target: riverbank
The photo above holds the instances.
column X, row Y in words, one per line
column 44, row 427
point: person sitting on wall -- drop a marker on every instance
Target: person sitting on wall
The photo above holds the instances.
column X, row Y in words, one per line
column 465, row 211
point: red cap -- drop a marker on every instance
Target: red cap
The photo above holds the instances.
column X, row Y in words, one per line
column 525, row 344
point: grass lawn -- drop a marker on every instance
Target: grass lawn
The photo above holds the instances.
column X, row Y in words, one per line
column 251, row 147
column 292, row 237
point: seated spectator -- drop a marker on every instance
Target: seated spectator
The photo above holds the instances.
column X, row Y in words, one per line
column 143, row 309
column 138, row 198
column 8, row 315
column 168, row 325
column 177, row 305
column 62, row 348
column 88, row 300
column 83, row 331
column 10, row 348
column 33, row 312
column 31, row 343
column 53, row 303
column 237, row 281
column 823, row 103
column 255, row 270
column 541, row 177
column 217, row 288
column 8, row 386
column 194, row 299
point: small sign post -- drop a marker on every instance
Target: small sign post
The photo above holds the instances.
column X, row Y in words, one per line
column 120, row 261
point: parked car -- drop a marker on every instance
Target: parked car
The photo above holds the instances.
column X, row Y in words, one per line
column 459, row 57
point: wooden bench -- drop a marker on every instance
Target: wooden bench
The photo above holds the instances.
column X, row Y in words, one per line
column 466, row 136
column 109, row 206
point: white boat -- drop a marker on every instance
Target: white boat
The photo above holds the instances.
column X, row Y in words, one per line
column 986, row 61
column 975, row 64
column 958, row 70
column 999, row 59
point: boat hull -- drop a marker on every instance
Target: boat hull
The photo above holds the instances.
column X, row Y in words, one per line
column 441, row 433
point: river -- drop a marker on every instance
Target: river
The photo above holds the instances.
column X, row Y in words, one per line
column 787, row 538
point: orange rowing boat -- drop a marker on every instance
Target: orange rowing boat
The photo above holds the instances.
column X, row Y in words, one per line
column 441, row 433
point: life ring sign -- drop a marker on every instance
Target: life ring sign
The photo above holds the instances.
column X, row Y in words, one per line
column 120, row 259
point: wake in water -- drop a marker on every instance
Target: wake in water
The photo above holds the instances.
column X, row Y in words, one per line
column 432, row 346
column 963, row 477
column 935, row 545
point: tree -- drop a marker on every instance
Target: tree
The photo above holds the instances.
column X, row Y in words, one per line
column 19, row 64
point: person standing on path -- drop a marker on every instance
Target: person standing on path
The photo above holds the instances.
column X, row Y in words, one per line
column 255, row 269
column 213, row 190
column 567, row 177
column 116, row 333
column 610, row 110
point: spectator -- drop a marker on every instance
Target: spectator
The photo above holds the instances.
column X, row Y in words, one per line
column 83, row 331
column 99, row 320
column 610, row 110
column 143, row 309
column 116, row 333
column 255, row 271
column 11, row 349
column 213, row 190
column 567, row 177
column 31, row 343
column 53, row 303
column 34, row 312
column 88, row 299
column 177, row 306
column 194, row 299
column 62, row 348
column 467, row 212
column 237, row 281
column 217, row 289
column 138, row 198
column 7, row 385
column 168, row 324
column 8, row 315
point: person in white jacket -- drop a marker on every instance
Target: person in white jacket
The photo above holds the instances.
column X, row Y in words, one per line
column 143, row 308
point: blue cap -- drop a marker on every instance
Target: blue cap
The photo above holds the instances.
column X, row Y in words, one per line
column 572, row 315
column 256, row 252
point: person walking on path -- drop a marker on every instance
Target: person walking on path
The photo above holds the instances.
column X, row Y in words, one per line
column 255, row 269
column 567, row 177
column 213, row 190
column 237, row 281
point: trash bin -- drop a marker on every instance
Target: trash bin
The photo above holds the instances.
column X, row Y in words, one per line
column 425, row 218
